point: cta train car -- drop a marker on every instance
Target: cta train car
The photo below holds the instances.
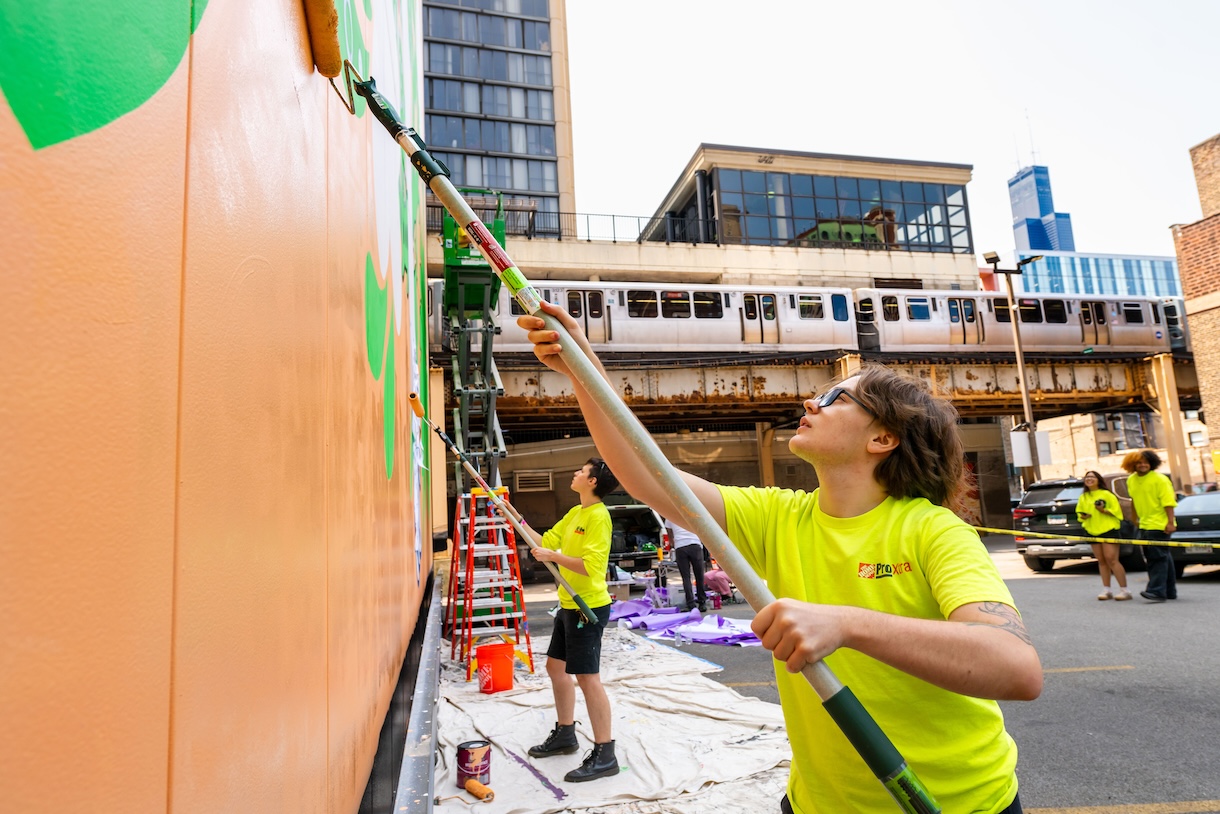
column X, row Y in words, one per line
column 647, row 318
column 938, row 321
column 691, row 318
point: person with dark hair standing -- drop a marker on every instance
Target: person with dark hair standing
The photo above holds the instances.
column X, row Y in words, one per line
column 876, row 577
column 688, row 552
column 1101, row 516
column 1153, row 499
column 579, row 545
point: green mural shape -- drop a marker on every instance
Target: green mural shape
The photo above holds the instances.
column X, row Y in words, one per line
column 379, row 333
column 68, row 68
column 376, row 302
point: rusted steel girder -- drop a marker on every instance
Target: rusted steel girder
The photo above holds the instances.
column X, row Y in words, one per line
column 773, row 392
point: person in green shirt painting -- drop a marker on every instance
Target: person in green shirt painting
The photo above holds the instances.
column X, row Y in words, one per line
column 1153, row 498
column 1101, row 516
column 872, row 574
column 579, row 545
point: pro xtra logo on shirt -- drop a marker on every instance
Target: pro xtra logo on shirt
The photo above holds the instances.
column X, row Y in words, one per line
column 578, row 530
column 882, row 570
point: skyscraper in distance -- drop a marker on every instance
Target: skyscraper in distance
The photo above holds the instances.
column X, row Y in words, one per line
column 1036, row 225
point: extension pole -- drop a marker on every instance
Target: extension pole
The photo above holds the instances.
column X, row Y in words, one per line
column 839, row 701
column 510, row 513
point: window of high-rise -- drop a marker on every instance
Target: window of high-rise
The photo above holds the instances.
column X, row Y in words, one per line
column 490, row 97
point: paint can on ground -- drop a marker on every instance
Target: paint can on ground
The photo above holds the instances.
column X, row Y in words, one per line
column 473, row 762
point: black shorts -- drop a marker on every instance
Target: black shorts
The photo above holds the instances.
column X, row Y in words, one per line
column 580, row 646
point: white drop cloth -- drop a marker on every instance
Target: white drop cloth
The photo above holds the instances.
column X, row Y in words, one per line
column 688, row 744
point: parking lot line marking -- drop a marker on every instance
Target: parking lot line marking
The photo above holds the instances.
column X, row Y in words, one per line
column 1087, row 669
column 1185, row 807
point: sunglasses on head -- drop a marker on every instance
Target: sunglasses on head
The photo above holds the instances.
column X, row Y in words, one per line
column 831, row 396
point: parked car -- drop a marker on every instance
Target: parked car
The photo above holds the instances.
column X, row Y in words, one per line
column 1198, row 521
column 638, row 534
column 1049, row 507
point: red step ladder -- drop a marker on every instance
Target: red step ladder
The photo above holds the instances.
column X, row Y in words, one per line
column 485, row 595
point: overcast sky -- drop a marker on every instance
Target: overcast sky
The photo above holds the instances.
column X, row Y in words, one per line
column 1115, row 93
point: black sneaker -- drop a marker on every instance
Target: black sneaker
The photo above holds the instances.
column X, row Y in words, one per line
column 599, row 762
column 703, row 606
column 1152, row 597
column 561, row 741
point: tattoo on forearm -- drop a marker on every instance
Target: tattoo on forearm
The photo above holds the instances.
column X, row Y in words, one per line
column 1007, row 620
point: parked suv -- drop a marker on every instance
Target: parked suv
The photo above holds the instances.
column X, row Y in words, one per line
column 1198, row 520
column 638, row 533
column 1049, row 507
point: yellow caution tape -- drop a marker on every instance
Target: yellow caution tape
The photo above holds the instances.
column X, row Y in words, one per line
column 1112, row 540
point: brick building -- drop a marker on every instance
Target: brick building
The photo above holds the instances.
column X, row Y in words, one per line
column 1197, row 246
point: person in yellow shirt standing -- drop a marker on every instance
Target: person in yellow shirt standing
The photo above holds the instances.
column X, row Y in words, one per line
column 876, row 577
column 1153, row 498
column 579, row 545
column 1101, row 516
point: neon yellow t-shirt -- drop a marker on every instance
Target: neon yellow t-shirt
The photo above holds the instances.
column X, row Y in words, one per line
column 1097, row 523
column 1150, row 494
column 583, row 533
column 905, row 557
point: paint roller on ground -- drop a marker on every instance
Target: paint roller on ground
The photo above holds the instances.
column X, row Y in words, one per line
column 507, row 510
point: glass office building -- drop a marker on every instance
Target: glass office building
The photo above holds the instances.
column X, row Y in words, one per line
column 1036, row 225
column 792, row 209
column 490, row 98
column 1118, row 275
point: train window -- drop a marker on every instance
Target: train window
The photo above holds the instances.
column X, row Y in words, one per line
column 1001, row 311
column 675, row 304
column 918, row 309
column 1030, row 311
column 968, row 310
column 1156, row 313
column 838, row 305
column 727, row 299
column 889, row 309
column 865, row 314
column 811, row 306
column 595, row 304
column 954, row 310
column 642, row 304
column 768, row 306
column 707, row 305
column 750, row 304
column 575, row 303
column 1133, row 313
column 1056, row 311
column 516, row 308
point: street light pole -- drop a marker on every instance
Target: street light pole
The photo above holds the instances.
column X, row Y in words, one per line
column 1031, row 473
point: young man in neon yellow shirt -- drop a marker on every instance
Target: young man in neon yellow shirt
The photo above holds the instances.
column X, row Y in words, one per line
column 579, row 545
column 1153, row 499
column 894, row 592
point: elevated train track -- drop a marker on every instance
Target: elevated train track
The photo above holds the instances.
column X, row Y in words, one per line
column 693, row 390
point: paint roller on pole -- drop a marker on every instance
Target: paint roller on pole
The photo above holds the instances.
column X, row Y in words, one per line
column 840, row 702
column 510, row 514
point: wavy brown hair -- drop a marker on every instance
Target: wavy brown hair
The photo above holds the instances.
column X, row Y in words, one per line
column 1133, row 458
column 929, row 459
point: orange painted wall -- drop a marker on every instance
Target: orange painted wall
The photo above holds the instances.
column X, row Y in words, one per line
column 208, row 577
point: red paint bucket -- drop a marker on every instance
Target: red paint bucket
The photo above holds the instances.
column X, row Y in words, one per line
column 473, row 762
column 495, row 667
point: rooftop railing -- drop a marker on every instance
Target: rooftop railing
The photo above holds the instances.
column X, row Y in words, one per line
column 521, row 220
